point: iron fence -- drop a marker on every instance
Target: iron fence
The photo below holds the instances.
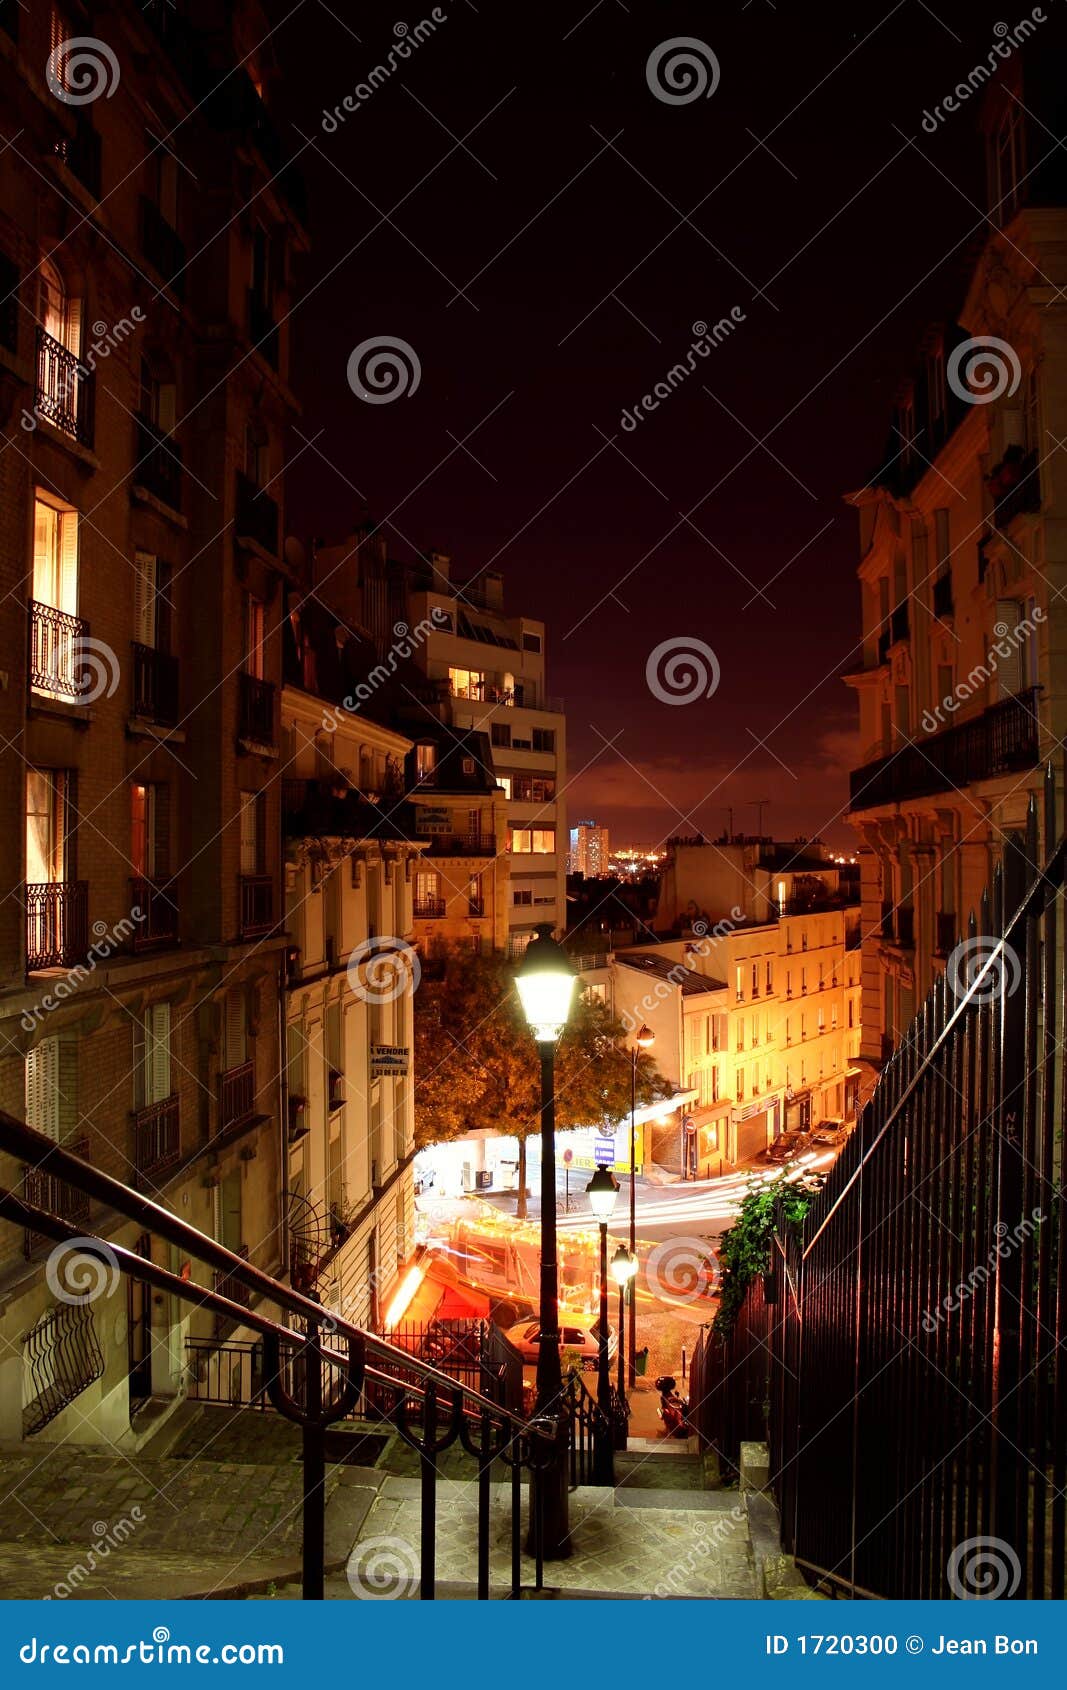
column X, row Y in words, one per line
column 905, row 1353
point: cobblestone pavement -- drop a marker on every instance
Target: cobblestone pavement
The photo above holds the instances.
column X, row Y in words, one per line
column 208, row 1522
column 618, row 1549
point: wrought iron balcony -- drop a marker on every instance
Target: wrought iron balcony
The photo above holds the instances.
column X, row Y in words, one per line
column 155, row 685
column 237, row 1095
column 57, row 926
column 159, row 464
column 256, row 515
column 1003, row 740
column 256, row 709
column 45, row 1191
column 162, row 246
column 63, row 1358
column 57, row 642
column 262, row 329
column 461, row 845
column 429, row 909
column 157, row 1142
column 256, row 893
column 158, row 904
column 64, row 393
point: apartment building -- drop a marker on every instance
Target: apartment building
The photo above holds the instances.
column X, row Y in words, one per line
column 144, row 396
column 755, row 1010
column 482, row 669
column 962, row 685
column 459, row 814
column 590, row 853
column 351, row 880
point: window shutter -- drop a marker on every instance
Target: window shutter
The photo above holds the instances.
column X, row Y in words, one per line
column 1010, row 668
column 67, row 1116
column 68, row 563
column 248, row 832
column 164, row 606
column 73, row 337
column 42, row 1088
column 159, row 1052
column 144, row 598
column 235, row 1029
column 261, row 834
column 45, row 553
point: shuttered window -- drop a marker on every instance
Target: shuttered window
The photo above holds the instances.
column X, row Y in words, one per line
column 253, row 832
column 1010, row 668
column 152, row 1056
column 42, row 1088
column 234, row 1032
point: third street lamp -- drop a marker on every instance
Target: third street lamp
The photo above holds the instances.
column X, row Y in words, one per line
column 623, row 1268
column 644, row 1039
column 602, row 1192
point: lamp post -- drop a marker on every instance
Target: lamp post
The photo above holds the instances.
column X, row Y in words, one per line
column 546, row 982
column 644, row 1040
column 623, row 1268
column 602, row 1192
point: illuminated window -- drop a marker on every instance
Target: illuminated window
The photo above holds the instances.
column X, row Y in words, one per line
column 466, row 683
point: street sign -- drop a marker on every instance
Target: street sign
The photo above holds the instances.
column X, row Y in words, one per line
column 689, row 1124
column 604, row 1152
column 568, row 1158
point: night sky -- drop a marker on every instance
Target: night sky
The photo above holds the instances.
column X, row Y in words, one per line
column 517, row 205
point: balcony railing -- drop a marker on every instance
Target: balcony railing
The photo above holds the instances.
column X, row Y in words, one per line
column 45, row 1191
column 429, row 909
column 159, row 463
column 63, row 393
column 57, row 926
column 157, row 1142
column 230, row 1286
column 256, row 516
column 257, row 709
column 162, row 246
column 57, row 642
column 158, row 904
column 262, row 329
column 256, row 894
column 237, row 1095
column 1003, row 740
column 461, row 845
column 155, row 685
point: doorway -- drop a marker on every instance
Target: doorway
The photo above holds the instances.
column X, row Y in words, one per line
column 139, row 1331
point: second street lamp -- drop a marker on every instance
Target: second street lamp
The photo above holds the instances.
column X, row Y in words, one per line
column 602, row 1192
column 644, row 1039
column 623, row 1268
column 546, row 982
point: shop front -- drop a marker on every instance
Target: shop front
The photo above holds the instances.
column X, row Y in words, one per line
column 753, row 1127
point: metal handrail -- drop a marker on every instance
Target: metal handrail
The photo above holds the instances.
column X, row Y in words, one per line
column 19, row 1140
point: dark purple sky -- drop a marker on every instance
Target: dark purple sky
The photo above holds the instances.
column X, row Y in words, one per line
column 520, row 156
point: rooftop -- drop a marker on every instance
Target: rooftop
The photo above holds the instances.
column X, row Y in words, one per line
column 688, row 980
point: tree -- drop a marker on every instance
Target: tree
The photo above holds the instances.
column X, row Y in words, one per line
column 476, row 1064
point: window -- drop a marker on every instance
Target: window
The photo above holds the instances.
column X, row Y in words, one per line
column 770, row 977
column 157, row 398
column 425, row 761
column 253, row 816
column 55, row 638
column 740, row 1084
column 152, row 1056
column 740, row 982
column 49, row 818
column 522, row 895
column 533, row 789
column 58, row 314
column 499, row 732
column 149, row 831
column 544, row 739
column 504, row 783
column 541, row 841
column 235, row 1032
column 475, row 896
column 466, row 683
column 255, row 633
column 1006, row 164
column 256, row 454
column 531, row 642
column 151, row 602
column 42, row 1088
column 755, row 980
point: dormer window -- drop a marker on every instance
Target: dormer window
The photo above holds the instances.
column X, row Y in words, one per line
column 425, row 761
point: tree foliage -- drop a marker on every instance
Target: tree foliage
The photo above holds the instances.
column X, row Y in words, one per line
column 745, row 1248
column 476, row 1064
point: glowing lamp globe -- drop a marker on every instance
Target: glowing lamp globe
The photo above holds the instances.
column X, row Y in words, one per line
column 602, row 1191
column 546, row 982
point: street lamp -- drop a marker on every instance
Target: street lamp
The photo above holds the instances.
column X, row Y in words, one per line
column 546, row 981
column 644, row 1040
column 623, row 1268
column 602, row 1192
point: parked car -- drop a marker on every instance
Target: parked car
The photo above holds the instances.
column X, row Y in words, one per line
column 785, row 1146
column 526, row 1337
column 833, row 1132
